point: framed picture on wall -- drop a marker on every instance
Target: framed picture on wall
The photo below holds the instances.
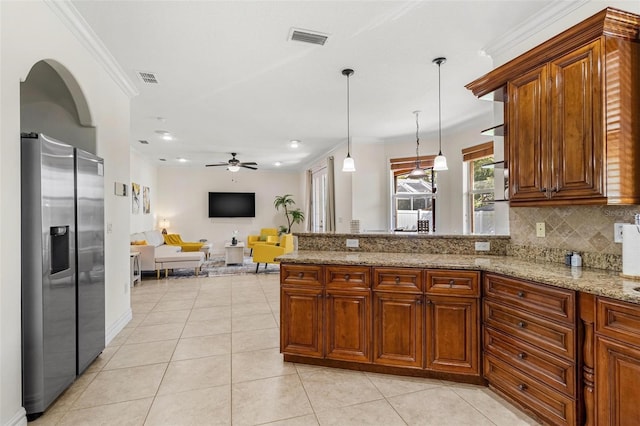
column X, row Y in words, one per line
column 135, row 198
column 146, row 200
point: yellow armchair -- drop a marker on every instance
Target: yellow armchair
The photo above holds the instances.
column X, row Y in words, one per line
column 267, row 236
column 266, row 253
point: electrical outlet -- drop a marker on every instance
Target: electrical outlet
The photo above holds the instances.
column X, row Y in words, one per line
column 353, row 243
column 540, row 230
column 483, row 246
column 617, row 232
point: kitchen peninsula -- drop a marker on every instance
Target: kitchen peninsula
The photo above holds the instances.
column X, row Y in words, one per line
column 560, row 342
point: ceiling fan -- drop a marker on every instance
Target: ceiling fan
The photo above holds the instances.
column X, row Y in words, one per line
column 233, row 165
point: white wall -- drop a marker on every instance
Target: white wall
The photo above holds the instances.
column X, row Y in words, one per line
column 143, row 173
column 30, row 32
column 182, row 197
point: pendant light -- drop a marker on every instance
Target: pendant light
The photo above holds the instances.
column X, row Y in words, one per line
column 440, row 162
column 348, row 165
column 418, row 171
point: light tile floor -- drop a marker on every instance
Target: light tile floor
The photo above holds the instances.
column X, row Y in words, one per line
column 204, row 351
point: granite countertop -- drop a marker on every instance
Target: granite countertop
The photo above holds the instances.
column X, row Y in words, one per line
column 596, row 281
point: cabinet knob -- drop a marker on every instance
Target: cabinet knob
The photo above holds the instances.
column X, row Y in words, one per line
column 522, row 355
column 451, row 283
column 522, row 324
column 543, row 189
column 522, row 387
column 419, row 301
column 346, row 277
column 300, row 274
column 397, row 280
column 521, row 294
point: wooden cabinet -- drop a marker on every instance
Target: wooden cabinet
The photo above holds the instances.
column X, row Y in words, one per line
column 617, row 363
column 555, row 129
column 452, row 323
column 347, row 313
column 572, row 136
column 398, row 317
column 530, row 346
column 326, row 316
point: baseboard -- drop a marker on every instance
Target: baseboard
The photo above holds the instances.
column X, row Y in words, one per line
column 117, row 326
column 18, row 419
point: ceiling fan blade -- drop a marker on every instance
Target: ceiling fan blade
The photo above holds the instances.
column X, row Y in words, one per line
column 248, row 167
column 251, row 163
column 215, row 165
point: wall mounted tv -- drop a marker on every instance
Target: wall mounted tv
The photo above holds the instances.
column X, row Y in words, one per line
column 232, row 204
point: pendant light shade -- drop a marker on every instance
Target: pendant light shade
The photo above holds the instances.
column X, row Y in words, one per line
column 418, row 171
column 440, row 162
column 348, row 165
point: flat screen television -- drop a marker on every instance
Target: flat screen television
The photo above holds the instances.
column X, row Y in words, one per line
column 232, row 204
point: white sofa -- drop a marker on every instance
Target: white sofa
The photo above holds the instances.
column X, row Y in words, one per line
column 155, row 255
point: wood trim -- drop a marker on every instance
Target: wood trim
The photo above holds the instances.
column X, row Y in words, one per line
column 608, row 22
column 477, row 151
column 403, row 165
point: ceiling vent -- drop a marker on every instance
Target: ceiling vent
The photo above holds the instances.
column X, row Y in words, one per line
column 306, row 36
column 147, row 77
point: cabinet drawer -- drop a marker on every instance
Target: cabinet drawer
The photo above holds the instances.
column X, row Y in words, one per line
column 301, row 274
column 553, row 406
column 619, row 320
column 553, row 303
column 462, row 283
column 548, row 335
column 556, row 372
column 347, row 277
column 398, row 279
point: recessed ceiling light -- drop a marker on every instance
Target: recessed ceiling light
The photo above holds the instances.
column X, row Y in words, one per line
column 165, row 135
column 162, row 159
column 294, row 143
column 277, row 164
column 182, row 160
column 143, row 142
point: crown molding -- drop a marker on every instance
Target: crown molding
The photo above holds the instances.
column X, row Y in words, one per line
column 536, row 23
column 76, row 23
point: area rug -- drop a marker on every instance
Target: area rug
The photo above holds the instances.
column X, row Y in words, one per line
column 215, row 267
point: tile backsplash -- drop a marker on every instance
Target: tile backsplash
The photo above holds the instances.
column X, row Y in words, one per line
column 586, row 229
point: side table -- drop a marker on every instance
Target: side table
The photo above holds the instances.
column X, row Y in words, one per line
column 234, row 254
column 135, row 273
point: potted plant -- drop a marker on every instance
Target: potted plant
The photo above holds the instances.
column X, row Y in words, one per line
column 293, row 216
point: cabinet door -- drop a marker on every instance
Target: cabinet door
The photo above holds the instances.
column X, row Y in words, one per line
column 617, row 379
column 527, row 131
column 348, row 325
column 397, row 330
column 576, row 130
column 452, row 334
column 301, row 321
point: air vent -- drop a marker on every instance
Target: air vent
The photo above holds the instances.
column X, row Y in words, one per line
column 148, row 77
column 306, row 36
column 143, row 142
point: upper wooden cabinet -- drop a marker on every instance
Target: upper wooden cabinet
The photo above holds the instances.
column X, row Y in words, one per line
column 572, row 134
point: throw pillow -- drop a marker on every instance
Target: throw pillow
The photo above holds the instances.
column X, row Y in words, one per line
column 263, row 238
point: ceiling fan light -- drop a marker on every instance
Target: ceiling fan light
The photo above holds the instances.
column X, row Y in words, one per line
column 418, row 172
column 348, row 165
column 440, row 163
column 233, row 168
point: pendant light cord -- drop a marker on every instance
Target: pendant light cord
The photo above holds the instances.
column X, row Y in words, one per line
column 439, row 113
column 348, row 121
column 417, row 139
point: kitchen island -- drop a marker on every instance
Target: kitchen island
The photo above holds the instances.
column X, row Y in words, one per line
column 558, row 341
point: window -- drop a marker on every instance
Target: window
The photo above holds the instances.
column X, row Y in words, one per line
column 480, row 189
column 319, row 200
column 413, row 198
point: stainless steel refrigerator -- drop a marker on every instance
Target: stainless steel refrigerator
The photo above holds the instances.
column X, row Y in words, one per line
column 63, row 328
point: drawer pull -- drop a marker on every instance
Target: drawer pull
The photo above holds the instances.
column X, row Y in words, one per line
column 522, row 387
column 451, row 283
column 521, row 294
column 522, row 324
column 346, row 277
column 522, row 355
column 300, row 274
column 397, row 280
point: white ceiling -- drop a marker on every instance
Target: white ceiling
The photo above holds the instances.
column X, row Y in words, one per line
column 230, row 81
